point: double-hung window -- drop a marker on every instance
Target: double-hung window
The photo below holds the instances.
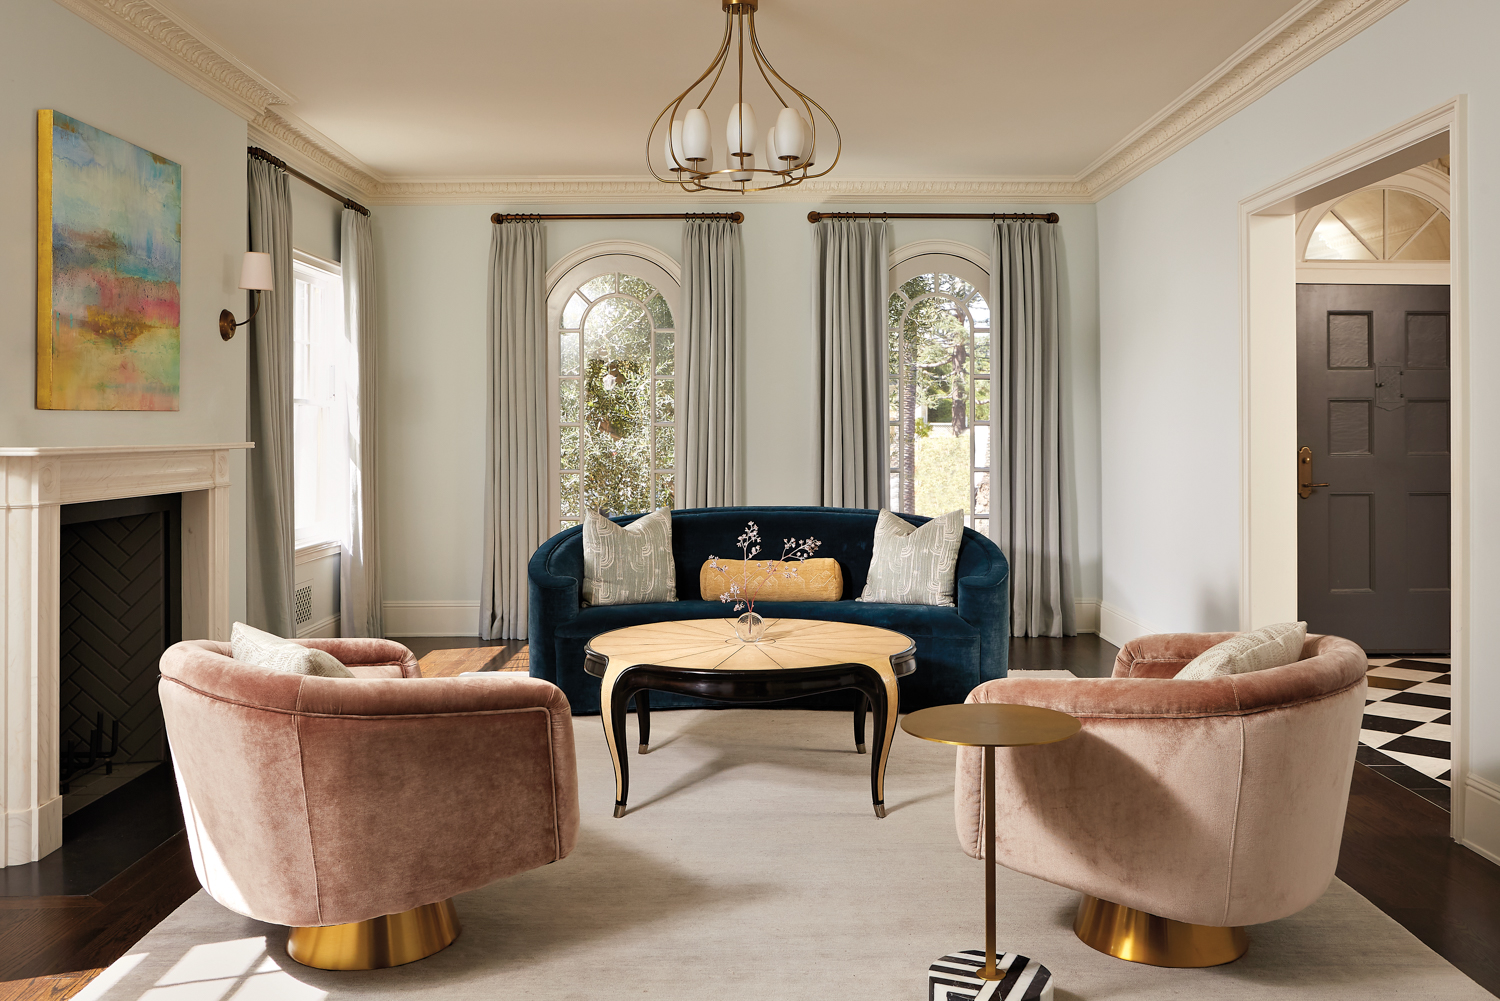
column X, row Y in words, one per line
column 320, row 409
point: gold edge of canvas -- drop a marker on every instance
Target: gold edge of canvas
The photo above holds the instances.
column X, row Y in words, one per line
column 44, row 261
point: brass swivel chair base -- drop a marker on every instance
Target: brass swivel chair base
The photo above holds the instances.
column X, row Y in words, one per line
column 1126, row 933
column 389, row 940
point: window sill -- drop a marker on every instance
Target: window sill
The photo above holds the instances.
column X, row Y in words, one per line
column 307, row 552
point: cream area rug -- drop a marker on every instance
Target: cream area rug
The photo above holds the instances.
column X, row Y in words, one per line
column 750, row 865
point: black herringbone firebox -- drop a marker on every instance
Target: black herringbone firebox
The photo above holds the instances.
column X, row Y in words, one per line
column 121, row 607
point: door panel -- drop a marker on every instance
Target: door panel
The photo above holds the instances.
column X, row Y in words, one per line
column 1372, row 404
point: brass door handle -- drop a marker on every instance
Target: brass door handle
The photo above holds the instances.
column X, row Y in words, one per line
column 1305, row 484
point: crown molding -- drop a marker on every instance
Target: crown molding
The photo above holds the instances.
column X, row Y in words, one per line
column 525, row 190
column 170, row 41
column 1299, row 38
column 313, row 153
column 1307, row 32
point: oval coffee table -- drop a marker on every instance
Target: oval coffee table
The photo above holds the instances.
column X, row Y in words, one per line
column 704, row 657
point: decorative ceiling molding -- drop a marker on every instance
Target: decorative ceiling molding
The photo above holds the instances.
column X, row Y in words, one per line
column 169, row 41
column 1307, row 32
column 312, row 152
column 525, row 190
column 1303, row 35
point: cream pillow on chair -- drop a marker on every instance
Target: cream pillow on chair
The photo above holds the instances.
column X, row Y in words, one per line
column 262, row 649
column 1269, row 646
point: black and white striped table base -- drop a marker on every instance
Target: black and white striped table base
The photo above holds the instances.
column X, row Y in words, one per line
column 952, row 978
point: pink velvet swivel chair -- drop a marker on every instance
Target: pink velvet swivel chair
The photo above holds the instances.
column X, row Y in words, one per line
column 1184, row 810
column 353, row 809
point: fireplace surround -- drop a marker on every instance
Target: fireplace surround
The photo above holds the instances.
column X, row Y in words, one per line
column 34, row 484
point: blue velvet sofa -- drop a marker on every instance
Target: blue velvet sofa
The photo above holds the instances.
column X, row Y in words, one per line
column 957, row 647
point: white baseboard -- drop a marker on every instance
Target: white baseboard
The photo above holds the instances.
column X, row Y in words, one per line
column 1118, row 628
column 431, row 618
column 1086, row 616
column 1482, row 817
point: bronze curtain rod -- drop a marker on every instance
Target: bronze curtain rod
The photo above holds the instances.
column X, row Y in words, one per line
column 1038, row 216
column 261, row 154
column 527, row 217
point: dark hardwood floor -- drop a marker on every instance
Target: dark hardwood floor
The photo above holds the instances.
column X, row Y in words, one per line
column 1396, row 852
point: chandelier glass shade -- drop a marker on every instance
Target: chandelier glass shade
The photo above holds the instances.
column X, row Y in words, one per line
column 787, row 154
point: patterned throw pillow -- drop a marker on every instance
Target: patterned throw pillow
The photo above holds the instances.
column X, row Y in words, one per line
column 628, row 564
column 262, row 649
column 914, row 566
column 1269, row 646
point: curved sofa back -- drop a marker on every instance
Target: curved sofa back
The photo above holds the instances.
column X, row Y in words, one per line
column 846, row 534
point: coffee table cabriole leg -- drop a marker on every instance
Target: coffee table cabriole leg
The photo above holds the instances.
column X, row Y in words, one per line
column 881, row 689
column 643, row 718
column 861, row 703
column 619, row 687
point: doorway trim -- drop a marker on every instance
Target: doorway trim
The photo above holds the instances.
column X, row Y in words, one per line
column 1268, row 386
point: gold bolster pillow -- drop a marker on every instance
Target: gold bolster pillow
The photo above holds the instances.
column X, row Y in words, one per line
column 816, row 580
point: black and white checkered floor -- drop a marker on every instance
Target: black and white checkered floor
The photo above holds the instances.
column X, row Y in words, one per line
column 1406, row 735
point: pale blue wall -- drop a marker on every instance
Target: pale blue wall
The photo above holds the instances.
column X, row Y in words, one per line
column 433, row 260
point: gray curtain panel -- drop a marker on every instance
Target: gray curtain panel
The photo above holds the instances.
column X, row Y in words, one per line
column 708, row 447
column 1027, row 503
column 270, row 518
column 516, row 467
column 360, row 593
column 849, row 305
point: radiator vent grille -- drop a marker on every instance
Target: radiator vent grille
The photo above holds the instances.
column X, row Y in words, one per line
column 304, row 605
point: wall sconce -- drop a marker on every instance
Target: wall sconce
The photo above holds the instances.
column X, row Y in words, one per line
column 255, row 276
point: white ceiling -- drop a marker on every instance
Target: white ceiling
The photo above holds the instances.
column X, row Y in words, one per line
column 951, row 88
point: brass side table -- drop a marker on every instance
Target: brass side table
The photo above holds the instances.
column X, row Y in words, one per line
column 990, row 725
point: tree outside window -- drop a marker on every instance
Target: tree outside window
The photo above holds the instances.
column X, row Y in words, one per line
column 616, row 399
column 939, row 400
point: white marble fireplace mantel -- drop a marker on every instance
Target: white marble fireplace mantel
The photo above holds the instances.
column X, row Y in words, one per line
column 34, row 484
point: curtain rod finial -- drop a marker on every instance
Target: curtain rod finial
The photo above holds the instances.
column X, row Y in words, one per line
column 814, row 216
column 736, row 217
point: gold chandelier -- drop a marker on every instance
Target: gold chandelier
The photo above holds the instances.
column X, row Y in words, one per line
column 791, row 146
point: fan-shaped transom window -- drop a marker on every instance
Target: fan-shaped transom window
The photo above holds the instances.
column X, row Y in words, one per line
column 939, row 397
column 1380, row 224
column 615, row 398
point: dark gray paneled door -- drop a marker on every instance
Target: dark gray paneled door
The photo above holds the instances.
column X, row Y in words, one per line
column 1372, row 406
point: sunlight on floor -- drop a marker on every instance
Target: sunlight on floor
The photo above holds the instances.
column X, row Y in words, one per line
column 240, row 970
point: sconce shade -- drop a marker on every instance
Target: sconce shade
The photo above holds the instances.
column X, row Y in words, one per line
column 255, row 273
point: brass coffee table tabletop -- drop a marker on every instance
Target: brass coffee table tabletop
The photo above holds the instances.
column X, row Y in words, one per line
column 990, row 725
column 704, row 657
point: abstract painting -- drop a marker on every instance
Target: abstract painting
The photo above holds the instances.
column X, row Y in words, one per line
column 109, row 270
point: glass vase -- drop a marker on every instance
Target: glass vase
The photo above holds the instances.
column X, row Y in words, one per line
column 750, row 627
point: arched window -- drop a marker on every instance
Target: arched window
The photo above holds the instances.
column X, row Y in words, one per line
column 1399, row 222
column 1380, row 224
column 614, row 359
column 939, row 388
